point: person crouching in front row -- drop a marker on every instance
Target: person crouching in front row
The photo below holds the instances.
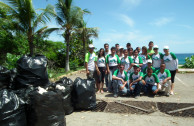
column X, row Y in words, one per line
column 120, row 85
column 164, row 76
column 151, row 82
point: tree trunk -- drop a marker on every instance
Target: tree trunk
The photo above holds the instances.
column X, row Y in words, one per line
column 67, row 38
column 30, row 41
column 84, row 46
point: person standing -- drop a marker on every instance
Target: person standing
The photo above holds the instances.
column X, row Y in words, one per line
column 102, row 67
column 106, row 52
column 91, row 63
column 171, row 63
column 157, row 58
column 117, row 47
column 150, row 50
column 138, row 49
column 144, row 57
column 130, row 52
column 164, row 78
column 137, row 59
column 121, row 55
column 112, row 63
column 120, row 81
column 128, row 45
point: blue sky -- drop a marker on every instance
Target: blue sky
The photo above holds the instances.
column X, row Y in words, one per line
column 165, row 22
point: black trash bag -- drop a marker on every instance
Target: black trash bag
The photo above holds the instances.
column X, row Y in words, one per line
column 31, row 71
column 83, row 94
column 12, row 109
column 13, row 74
column 4, row 77
column 45, row 109
column 67, row 102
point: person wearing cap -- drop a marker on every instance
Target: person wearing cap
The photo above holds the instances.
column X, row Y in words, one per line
column 106, row 52
column 136, row 81
column 164, row 78
column 112, row 63
column 137, row 59
column 144, row 57
column 157, row 58
column 91, row 63
column 120, row 85
column 128, row 45
column 150, row 50
column 121, row 55
column 149, row 65
column 151, row 82
column 171, row 63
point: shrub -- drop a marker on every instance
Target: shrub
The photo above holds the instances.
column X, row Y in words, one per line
column 11, row 60
column 189, row 62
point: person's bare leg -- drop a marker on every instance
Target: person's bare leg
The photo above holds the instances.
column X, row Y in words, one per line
column 172, row 89
column 102, row 87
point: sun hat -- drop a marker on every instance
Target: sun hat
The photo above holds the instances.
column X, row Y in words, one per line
column 155, row 47
column 149, row 61
column 91, row 46
column 136, row 65
column 166, row 47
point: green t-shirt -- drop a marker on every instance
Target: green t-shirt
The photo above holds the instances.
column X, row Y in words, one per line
column 123, row 75
column 150, row 51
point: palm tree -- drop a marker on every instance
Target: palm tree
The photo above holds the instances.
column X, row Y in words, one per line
column 68, row 17
column 28, row 21
column 86, row 33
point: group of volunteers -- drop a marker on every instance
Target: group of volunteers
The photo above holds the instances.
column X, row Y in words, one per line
column 129, row 71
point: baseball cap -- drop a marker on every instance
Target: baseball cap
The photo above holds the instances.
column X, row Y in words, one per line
column 166, row 47
column 155, row 47
column 91, row 46
column 149, row 61
column 136, row 65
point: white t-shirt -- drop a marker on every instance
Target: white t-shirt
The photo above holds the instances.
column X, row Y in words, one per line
column 121, row 75
column 156, row 58
column 171, row 64
column 126, row 62
column 101, row 62
column 90, row 59
column 143, row 58
column 106, row 53
column 112, row 60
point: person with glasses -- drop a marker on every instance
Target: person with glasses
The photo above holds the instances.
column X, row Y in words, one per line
column 120, row 85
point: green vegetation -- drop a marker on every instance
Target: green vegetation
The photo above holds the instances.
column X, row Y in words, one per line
column 24, row 31
column 189, row 62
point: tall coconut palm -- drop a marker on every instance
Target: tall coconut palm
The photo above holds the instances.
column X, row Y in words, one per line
column 86, row 33
column 68, row 17
column 29, row 22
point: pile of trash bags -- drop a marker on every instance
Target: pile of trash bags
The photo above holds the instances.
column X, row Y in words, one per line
column 27, row 98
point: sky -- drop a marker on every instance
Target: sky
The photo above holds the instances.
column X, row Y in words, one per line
column 165, row 22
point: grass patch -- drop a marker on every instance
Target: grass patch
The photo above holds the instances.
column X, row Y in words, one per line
column 54, row 74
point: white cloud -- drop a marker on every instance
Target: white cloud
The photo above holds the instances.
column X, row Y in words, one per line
column 185, row 26
column 162, row 21
column 126, row 20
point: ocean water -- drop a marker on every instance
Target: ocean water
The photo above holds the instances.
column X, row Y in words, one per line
column 181, row 57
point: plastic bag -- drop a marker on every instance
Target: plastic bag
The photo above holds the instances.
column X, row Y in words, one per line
column 67, row 102
column 12, row 109
column 4, row 77
column 83, row 94
column 31, row 71
column 45, row 108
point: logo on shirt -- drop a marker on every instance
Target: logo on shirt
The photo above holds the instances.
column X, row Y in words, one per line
column 156, row 58
column 162, row 77
column 101, row 61
column 150, row 81
column 113, row 61
column 167, row 60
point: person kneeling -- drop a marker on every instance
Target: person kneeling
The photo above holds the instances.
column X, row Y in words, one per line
column 164, row 78
column 151, row 82
column 136, row 81
column 120, row 84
